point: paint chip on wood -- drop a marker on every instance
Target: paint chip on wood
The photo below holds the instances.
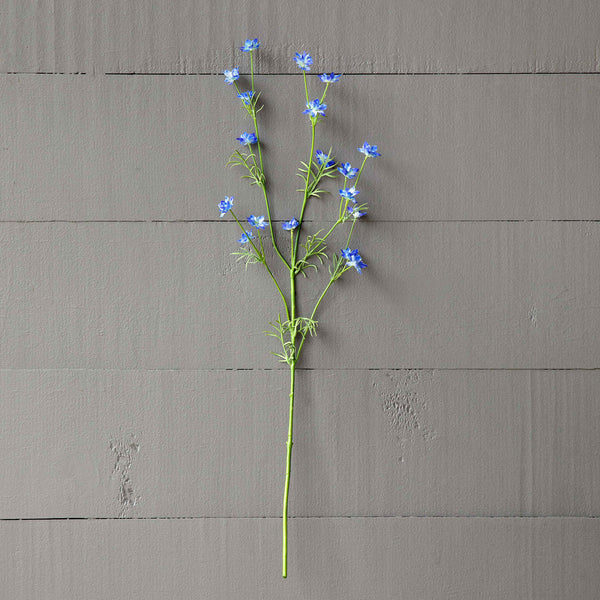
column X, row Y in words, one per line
column 125, row 449
column 403, row 398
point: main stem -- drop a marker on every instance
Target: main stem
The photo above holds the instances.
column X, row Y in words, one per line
column 288, row 464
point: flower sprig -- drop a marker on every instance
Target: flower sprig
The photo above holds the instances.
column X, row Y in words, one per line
column 306, row 251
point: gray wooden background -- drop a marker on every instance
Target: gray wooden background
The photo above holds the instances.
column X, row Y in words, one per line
column 447, row 433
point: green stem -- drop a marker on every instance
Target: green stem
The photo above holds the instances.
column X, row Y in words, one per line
column 264, row 189
column 288, row 464
column 312, row 316
column 252, row 69
column 350, row 234
column 310, row 158
column 305, row 86
column 263, row 260
column 361, row 169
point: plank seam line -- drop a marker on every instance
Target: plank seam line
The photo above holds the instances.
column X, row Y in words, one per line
column 283, row 370
column 82, row 221
column 292, row 74
column 299, row 517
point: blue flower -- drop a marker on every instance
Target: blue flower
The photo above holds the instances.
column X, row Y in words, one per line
column 349, row 193
column 356, row 261
column 231, row 76
column 258, row 222
column 250, row 45
column 348, row 171
column 246, row 97
column 314, row 108
column 303, row 61
column 246, row 237
column 246, row 139
column 356, row 212
column 329, row 77
column 290, row 225
column 369, row 150
column 225, row 205
column 322, row 158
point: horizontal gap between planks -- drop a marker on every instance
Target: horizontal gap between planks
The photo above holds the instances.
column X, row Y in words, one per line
column 305, row 517
column 362, row 74
column 78, row 221
column 284, row 369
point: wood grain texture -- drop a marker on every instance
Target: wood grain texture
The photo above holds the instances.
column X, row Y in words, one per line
column 154, row 148
column 169, row 295
column 437, row 559
column 398, row 36
column 101, row 444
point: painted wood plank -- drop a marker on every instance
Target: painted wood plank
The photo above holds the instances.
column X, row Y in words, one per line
column 155, row 148
column 98, row 444
column 384, row 36
column 528, row 559
column 170, row 295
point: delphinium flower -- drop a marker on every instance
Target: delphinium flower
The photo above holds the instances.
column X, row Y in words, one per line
column 225, row 205
column 329, row 77
column 290, row 225
column 354, row 259
column 322, row 158
column 246, row 139
column 349, row 193
column 303, row 61
column 250, row 45
column 246, row 97
column 258, row 222
column 231, row 76
column 348, row 171
column 354, row 211
column 246, row 237
column 314, row 108
column 369, row 150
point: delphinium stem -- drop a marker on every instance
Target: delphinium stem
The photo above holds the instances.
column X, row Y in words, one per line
column 288, row 464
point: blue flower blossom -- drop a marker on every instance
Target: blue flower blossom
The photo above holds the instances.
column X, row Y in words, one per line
column 329, row 77
column 290, row 225
column 258, row 222
column 225, row 205
column 246, row 97
column 349, row 193
column 322, row 158
column 354, row 259
column 250, row 45
column 303, row 61
column 314, row 108
column 369, row 150
column 231, row 76
column 356, row 212
column 357, row 262
column 246, row 237
column 348, row 171
column 246, row 139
